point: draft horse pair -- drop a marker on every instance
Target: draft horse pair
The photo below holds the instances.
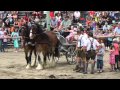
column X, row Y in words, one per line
column 39, row 41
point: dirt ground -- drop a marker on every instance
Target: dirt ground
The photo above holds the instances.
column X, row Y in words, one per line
column 12, row 66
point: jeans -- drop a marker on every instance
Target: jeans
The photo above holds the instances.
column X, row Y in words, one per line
column 99, row 64
column 4, row 45
column 109, row 43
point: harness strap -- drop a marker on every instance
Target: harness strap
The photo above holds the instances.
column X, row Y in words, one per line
column 91, row 48
column 80, row 41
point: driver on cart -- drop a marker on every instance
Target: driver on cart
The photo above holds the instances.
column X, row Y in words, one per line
column 64, row 25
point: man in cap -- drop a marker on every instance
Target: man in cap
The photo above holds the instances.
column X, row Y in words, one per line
column 53, row 23
column 64, row 25
column 106, row 27
column 117, row 29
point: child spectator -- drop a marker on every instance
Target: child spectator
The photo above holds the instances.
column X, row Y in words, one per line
column 116, row 47
column 5, row 40
column 102, row 43
column 15, row 37
column 1, row 38
column 112, row 58
column 100, row 55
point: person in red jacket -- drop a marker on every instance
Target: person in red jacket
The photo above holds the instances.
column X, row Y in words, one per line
column 51, row 14
column 92, row 13
column 26, row 18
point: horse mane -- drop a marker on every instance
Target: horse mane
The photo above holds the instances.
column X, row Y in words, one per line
column 25, row 32
column 39, row 29
column 41, row 36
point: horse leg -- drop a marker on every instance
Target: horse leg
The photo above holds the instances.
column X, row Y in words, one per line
column 44, row 59
column 30, row 56
column 53, row 59
column 26, row 57
column 39, row 67
column 29, row 60
column 34, row 63
column 49, row 55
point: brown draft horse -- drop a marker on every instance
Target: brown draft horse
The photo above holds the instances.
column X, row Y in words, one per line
column 45, row 42
column 28, row 46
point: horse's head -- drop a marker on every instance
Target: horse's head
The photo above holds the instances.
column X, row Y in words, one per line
column 34, row 31
column 24, row 31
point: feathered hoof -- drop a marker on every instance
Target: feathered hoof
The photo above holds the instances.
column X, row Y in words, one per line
column 28, row 66
column 39, row 67
column 33, row 65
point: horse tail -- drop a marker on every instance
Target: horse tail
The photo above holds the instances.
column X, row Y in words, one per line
column 57, row 49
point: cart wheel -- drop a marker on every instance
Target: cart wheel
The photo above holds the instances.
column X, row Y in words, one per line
column 70, row 55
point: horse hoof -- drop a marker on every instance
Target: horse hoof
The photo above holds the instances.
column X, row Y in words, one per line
column 33, row 65
column 28, row 67
column 39, row 67
column 56, row 60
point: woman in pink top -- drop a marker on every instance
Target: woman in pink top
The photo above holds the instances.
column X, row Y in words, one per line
column 112, row 58
column 116, row 47
column 70, row 37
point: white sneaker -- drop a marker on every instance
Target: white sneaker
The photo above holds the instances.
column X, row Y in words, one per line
column 101, row 71
column 98, row 70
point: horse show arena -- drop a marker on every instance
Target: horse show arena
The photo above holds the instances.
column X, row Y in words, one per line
column 12, row 66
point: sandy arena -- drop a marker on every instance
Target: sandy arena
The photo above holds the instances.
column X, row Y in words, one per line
column 12, row 66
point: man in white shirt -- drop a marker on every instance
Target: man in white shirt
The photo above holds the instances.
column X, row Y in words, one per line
column 82, row 40
column 81, row 52
column 77, row 15
column 92, row 46
column 106, row 27
column 53, row 23
column 117, row 29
